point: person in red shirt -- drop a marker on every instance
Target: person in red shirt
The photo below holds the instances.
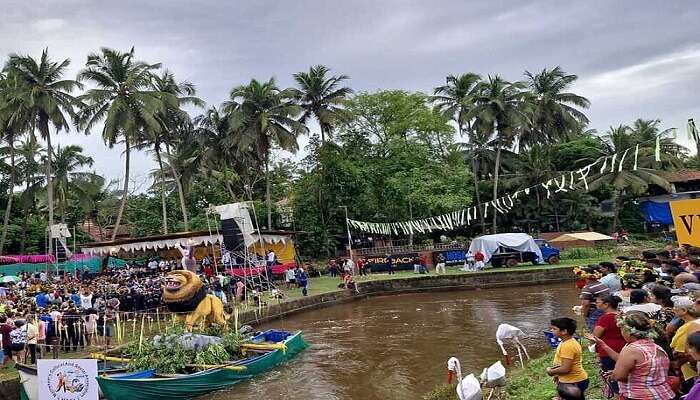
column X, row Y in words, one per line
column 5, row 330
column 607, row 330
column 479, row 260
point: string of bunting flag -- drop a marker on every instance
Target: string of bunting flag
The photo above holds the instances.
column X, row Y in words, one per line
column 568, row 181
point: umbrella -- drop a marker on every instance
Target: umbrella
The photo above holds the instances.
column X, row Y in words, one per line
column 9, row 278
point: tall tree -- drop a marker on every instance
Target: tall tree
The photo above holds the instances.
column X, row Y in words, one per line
column 263, row 116
column 627, row 180
column 555, row 110
column 500, row 110
column 67, row 162
column 170, row 120
column 29, row 151
column 14, row 120
column 455, row 99
column 321, row 97
column 125, row 99
column 48, row 98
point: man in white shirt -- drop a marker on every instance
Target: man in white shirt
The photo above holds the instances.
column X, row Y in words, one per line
column 639, row 298
column 271, row 258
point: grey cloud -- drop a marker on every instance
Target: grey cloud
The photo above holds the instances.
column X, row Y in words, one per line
column 382, row 44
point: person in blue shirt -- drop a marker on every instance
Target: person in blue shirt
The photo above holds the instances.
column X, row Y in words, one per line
column 303, row 281
column 42, row 299
column 76, row 298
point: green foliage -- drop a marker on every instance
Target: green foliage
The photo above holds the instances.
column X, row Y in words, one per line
column 170, row 357
column 442, row 392
column 580, row 253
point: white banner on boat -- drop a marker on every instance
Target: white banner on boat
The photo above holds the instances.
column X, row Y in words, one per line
column 65, row 379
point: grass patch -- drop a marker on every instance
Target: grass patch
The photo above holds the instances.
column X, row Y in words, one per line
column 531, row 383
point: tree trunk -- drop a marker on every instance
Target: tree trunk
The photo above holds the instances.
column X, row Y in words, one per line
column 617, row 205
column 475, row 168
column 44, row 127
column 230, row 191
column 180, row 192
column 495, row 184
column 10, row 194
column 268, row 197
column 25, row 213
column 323, row 135
column 162, row 191
column 122, row 206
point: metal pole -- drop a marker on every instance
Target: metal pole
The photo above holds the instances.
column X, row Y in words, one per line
column 347, row 226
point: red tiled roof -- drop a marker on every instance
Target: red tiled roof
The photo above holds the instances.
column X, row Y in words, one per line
column 683, row 176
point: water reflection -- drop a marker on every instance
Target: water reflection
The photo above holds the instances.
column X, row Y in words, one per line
column 396, row 347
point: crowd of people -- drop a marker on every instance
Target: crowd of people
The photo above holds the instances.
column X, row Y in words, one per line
column 642, row 318
column 66, row 311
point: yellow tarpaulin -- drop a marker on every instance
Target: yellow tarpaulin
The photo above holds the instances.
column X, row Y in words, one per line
column 686, row 219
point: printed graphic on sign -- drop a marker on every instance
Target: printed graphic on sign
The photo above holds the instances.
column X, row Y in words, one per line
column 67, row 379
column 686, row 219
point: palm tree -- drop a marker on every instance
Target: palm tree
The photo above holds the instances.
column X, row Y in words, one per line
column 170, row 120
column 455, row 100
column 14, row 119
column 47, row 97
column 321, row 97
column 127, row 102
column 66, row 161
column 500, row 110
column 627, row 180
column 555, row 111
column 263, row 116
column 29, row 150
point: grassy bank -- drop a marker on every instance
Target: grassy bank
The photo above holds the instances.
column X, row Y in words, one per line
column 531, row 383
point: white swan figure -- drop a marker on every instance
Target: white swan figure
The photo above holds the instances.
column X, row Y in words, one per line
column 510, row 332
column 468, row 388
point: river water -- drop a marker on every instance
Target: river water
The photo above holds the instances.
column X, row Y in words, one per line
column 396, row 347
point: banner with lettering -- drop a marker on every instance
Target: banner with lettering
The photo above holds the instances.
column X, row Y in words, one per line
column 686, row 219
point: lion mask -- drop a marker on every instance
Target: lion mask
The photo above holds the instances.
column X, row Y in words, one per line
column 181, row 286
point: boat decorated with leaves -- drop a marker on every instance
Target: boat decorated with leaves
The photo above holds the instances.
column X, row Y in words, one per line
column 264, row 351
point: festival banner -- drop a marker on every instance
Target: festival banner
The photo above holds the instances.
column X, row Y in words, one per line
column 66, row 379
column 686, row 219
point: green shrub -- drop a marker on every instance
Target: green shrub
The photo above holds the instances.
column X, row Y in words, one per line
column 442, row 392
column 580, row 253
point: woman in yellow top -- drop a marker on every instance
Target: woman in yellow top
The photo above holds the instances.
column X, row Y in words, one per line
column 567, row 370
column 683, row 307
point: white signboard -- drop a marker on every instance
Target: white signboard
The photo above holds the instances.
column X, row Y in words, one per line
column 67, row 379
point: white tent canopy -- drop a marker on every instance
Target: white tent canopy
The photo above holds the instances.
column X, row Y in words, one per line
column 586, row 236
column 108, row 249
column 488, row 245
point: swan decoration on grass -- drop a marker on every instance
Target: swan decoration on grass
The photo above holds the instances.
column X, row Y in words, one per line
column 468, row 388
column 506, row 333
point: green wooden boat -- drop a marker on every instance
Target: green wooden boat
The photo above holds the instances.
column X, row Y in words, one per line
column 197, row 384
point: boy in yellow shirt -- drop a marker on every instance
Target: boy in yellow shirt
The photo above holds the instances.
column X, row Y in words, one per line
column 567, row 370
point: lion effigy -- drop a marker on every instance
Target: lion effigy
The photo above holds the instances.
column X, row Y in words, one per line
column 185, row 295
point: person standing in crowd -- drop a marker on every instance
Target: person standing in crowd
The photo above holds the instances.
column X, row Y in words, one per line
column 416, row 264
column 641, row 368
column 271, row 258
column 589, row 294
column 332, row 268
column 18, row 339
column 303, row 281
column 639, row 300
column 5, row 330
column 683, row 306
column 361, row 266
column 390, row 264
column 568, row 366
column 86, row 300
column 610, row 278
column 440, row 263
column 606, row 329
column 290, row 278
column 31, row 334
column 693, row 349
column 479, row 261
column 240, row 290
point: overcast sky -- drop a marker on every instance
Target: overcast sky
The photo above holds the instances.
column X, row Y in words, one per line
column 634, row 58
